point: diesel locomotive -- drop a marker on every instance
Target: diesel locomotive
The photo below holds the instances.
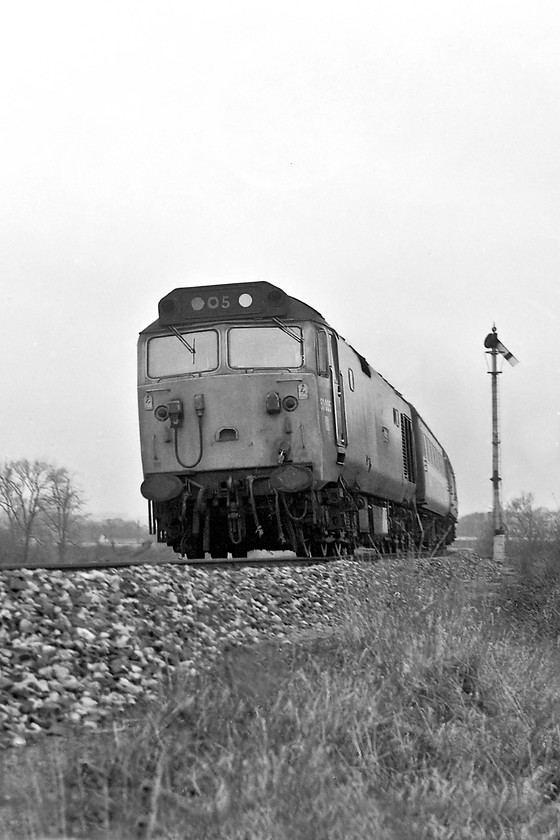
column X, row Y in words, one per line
column 262, row 431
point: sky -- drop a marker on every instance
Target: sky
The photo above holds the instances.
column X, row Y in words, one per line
column 394, row 165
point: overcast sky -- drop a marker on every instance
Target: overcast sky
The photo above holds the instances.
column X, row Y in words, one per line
column 395, row 165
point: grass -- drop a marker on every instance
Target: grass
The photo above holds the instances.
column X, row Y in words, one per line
column 433, row 711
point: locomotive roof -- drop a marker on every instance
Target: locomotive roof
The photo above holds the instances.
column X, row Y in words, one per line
column 230, row 301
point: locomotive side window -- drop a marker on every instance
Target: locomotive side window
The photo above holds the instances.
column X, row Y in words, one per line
column 322, row 348
column 265, row 347
column 182, row 353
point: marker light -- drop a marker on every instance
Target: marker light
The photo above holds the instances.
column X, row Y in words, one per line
column 290, row 403
column 161, row 413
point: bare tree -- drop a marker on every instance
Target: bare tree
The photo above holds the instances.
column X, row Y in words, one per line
column 529, row 524
column 23, row 488
column 61, row 504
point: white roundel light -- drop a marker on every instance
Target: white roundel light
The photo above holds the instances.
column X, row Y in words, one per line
column 245, row 300
column 197, row 304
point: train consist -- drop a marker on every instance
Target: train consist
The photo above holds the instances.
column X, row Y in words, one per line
column 263, row 430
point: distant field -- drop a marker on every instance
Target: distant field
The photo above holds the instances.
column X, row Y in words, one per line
column 90, row 552
column 465, row 542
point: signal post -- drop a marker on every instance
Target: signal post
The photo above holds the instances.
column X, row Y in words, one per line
column 496, row 348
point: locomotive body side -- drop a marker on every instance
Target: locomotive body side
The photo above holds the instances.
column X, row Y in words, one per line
column 434, row 490
column 377, row 414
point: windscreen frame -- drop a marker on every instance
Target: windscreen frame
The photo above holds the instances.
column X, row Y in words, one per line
column 252, row 362
column 188, row 336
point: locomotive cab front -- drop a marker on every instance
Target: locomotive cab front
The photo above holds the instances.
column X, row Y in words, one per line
column 230, row 415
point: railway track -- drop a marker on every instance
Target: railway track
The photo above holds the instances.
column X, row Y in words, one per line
column 261, row 558
column 272, row 559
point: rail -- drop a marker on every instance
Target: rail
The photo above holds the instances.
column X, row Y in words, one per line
column 271, row 559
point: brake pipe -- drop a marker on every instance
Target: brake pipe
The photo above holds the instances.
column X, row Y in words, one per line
column 200, row 447
column 292, row 516
column 198, row 505
column 258, row 528
column 281, row 536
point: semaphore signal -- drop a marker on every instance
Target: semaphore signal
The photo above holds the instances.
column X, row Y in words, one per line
column 495, row 348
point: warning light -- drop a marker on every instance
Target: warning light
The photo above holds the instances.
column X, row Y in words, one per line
column 197, row 304
column 245, row 300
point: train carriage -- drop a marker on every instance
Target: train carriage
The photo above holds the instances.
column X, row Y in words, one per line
column 262, row 430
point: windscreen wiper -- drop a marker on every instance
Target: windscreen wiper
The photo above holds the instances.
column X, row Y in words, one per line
column 184, row 341
column 288, row 331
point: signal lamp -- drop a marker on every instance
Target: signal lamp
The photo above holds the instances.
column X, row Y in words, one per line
column 290, row 403
column 161, row 413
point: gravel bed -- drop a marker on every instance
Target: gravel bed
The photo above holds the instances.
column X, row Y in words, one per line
column 79, row 647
